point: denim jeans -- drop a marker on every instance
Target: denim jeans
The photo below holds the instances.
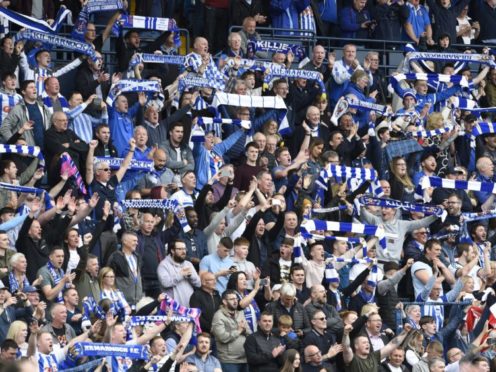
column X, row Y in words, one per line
column 234, row 367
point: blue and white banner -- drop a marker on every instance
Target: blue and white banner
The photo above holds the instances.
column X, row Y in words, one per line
column 483, row 128
column 458, row 185
column 429, row 133
column 254, row 46
column 59, row 41
column 132, row 85
column 469, row 217
column 91, row 349
column 296, row 74
column 116, row 163
column 357, row 104
column 193, row 80
column 147, row 319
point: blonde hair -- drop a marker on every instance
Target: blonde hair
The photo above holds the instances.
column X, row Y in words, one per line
column 367, row 308
column 15, row 328
column 285, row 321
column 103, row 272
column 435, row 121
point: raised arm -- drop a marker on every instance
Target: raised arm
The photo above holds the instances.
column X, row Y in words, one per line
column 127, row 160
column 347, row 351
column 395, row 342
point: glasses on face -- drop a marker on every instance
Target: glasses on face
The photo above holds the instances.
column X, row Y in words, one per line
column 104, row 169
column 323, row 318
column 422, row 233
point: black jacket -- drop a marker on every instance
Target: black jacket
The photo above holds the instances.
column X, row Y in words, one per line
column 258, row 348
column 208, row 303
column 86, row 83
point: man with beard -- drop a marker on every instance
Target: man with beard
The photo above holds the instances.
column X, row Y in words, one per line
column 86, row 279
column 195, row 239
column 176, row 275
column 54, row 279
column 160, row 176
column 203, row 358
column 230, row 328
column 440, row 195
column 429, row 165
column 452, row 222
column 318, row 302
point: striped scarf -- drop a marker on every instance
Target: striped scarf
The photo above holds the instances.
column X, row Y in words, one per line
column 47, row 101
column 193, row 314
column 429, row 133
column 147, row 23
column 24, row 150
column 150, row 203
column 58, row 41
column 434, row 78
column 67, row 164
column 24, row 189
column 307, row 22
column 155, row 58
column 477, row 216
column 31, row 23
column 272, row 102
column 345, row 227
column 193, row 61
column 483, row 59
column 296, row 74
column 132, row 85
column 114, row 350
column 458, row 185
column 341, row 173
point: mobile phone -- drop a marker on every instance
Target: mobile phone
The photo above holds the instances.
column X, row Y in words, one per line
column 225, row 173
column 275, row 202
column 263, row 282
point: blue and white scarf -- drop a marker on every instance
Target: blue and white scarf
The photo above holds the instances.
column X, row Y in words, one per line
column 272, row 102
column 458, row 185
column 132, row 85
column 341, row 173
column 296, row 74
column 391, row 203
column 483, row 128
column 56, row 40
column 429, row 133
column 331, row 274
column 155, row 58
column 193, row 80
column 147, row 23
column 150, row 203
column 14, row 284
column 31, row 23
column 477, row 216
column 135, row 165
column 434, row 78
column 357, row 104
column 34, row 151
column 454, row 57
column 47, row 362
column 193, row 61
column 254, row 46
column 115, row 350
column 23, row 189
column 57, row 277
column 346, row 227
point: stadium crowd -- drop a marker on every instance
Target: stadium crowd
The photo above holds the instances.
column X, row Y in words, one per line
column 255, row 205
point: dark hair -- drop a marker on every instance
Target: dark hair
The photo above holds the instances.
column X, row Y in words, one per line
column 226, row 242
column 280, row 150
column 430, row 243
column 232, row 283
column 251, row 144
column 228, row 292
column 175, row 125
column 55, row 248
column 172, row 244
column 189, row 209
column 8, row 74
column 426, row 319
column 74, row 92
column 4, row 164
column 8, row 343
column 128, row 34
column 204, row 335
column 277, row 82
column 25, row 84
column 294, row 268
column 3, row 232
column 475, row 226
column 7, row 210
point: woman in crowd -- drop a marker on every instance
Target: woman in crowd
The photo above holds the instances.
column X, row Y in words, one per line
column 106, row 278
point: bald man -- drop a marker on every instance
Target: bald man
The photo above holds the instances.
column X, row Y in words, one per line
column 162, row 176
column 60, row 139
column 317, row 62
column 206, row 298
column 312, row 118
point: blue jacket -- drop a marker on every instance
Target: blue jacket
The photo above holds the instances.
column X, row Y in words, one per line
column 350, row 21
column 121, row 127
column 285, row 14
column 202, row 163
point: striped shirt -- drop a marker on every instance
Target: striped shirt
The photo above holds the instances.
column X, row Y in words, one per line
column 7, row 102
